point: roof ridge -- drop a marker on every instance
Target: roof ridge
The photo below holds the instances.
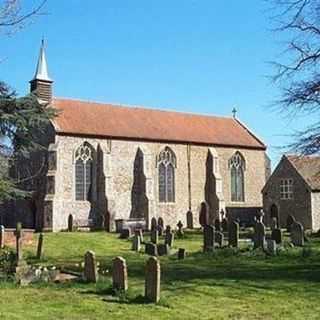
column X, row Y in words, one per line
column 158, row 109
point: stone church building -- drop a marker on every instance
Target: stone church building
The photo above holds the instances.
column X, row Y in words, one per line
column 109, row 165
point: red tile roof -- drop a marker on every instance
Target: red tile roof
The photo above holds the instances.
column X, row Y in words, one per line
column 309, row 168
column 115, row 121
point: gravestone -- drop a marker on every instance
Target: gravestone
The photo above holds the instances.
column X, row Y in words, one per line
column 297, row 234
column 151, row 249
column 136, row 243
column 233, row 234
column 139, row 233
column 180, row 230
column 119, row 274
column 169, row 238
column 125, row 233
column 208, row 238
column 40, row 245
column 161, row 222
column 153, row 223
column 163, row 249
column 271, row 247
column 70, row 223
column 154, row 236
column 160, row 230
column 2, row 235
column 219, row 238
column 18, row 235
column 168, row 229
column 152, row 280
column 181, row 253
column 224, row 225
column 276, row 235
column 90, row 267
column 204, row 214
column 217, row 225
column 274, row 223
column 189, row 220
column 260, row 235
column 290, row 221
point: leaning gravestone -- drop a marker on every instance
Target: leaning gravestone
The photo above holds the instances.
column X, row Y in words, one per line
column 2, row 235
column 163, row 249
column 217, row 225
column 276, row 235
column 297, row 234
column 154, row 236
column 119, row 274
column 208, row 238
column 90, row 267
column 219, row 238
column 40, row 245
column 152, row 281
column 189, row 220
column 151, row 249
column 136, row 243
column 169, row 238
column 260, row 235
column 233, row 234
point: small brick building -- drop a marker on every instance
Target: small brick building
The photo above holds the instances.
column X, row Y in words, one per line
column 106, row 163
column 294, row 188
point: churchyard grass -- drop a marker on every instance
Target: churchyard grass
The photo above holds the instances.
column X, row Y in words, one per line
column 225, row 284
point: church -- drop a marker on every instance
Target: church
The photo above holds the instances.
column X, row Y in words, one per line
column 109, row 166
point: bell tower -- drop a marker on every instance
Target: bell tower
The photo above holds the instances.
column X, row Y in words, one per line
column 41, row 84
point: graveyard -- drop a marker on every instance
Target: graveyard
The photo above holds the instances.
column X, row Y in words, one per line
column 223, row 282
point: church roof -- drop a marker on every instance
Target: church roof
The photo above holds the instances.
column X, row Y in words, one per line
column 135, row 123
column 309, row 168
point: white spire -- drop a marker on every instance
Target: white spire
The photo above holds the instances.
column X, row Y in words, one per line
column 42, row 69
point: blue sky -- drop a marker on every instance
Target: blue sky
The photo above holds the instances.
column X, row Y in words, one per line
column 199, row 56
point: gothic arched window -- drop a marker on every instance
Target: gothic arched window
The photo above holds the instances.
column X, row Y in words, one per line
column 237, row 167
column 83, row 172
column 166, row 164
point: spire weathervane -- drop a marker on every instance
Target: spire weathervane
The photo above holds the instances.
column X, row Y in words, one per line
column 234, row 112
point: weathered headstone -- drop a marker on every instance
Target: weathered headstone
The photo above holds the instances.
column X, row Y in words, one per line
column 276, row 235
column 125, row 233
column 217, row 225
column 181, row 253
column 139, row 233
column 70, row 223
column 204, row 214
column 224, row 225
column 208, row 238
column 271, row 247
column 18, row 235
column 274, row 223
column 153, row 223
column 219, row 238
column 168, row 229
column 297, row 234
column 180, row 230
column 136, row 243
column 189, row 220
column 259, row 235
column 90, row 267
column 169, row 238
column 2, row 235
column 119, row 274
column 233, row 234
column 154, row 236
column 160, row 230
column 161, row 222
column 151, row 249
column 40, row 246
column 163, row 249
column 152, row 281
column 289, row 222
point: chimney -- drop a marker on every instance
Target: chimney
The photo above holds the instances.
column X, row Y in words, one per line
column 41, row 84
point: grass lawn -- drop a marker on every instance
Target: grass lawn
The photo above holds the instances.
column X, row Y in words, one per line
column 227, row 284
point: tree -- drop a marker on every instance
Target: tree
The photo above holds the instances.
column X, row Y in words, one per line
column 22, row 119
column 299, row 76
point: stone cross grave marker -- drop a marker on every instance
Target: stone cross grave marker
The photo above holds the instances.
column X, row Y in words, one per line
column 119, row 274
column 152, row 280
column 297, row 234
column 180, row 230
column 40, row 246
column 90, row 267
column 208, row 238
column 233, row 234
